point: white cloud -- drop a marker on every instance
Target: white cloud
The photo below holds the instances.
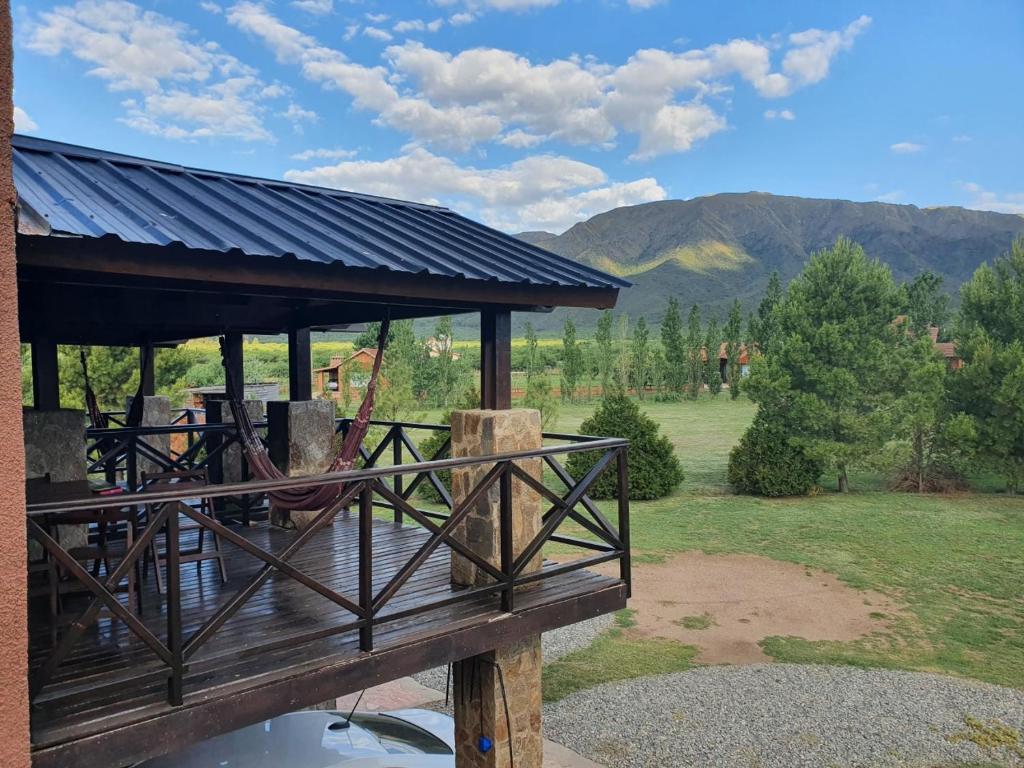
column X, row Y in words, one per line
column 350, row 31
column 781, row 114
column 22, row 122
column 643, row 5
column 297, row 114
column 418, row 25
column 188, row 87
column 662, row 98
column 894, row 196
column 546, row 191
column 316, row 7
column 325, row 154
column 210, row 7
column 461, row 19
column 809, row 61
column 377, row 33
column 984, row 200
column 906, row 148
column 377, row 18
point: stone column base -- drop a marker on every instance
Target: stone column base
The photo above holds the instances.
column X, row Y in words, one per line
column 301, row 438
column 477, row 694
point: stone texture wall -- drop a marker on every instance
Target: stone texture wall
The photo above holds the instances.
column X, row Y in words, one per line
column 481, row 433
column 477, row 688
column 156, row 412
column 55, row 444
column 233, row 453
column 14, row 733
column 301, row 442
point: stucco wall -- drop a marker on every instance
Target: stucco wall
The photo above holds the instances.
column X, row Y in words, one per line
column 14, row 734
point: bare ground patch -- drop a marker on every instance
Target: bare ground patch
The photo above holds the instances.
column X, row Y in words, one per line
column 726, row 604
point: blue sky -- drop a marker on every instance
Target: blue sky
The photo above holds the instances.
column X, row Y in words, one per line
column 535, row 114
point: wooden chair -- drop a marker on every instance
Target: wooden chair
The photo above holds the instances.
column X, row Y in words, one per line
column 99, row 553
column 173, row 481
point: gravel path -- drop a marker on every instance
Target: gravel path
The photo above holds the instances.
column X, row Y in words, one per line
column 555, row 644
column 785, row 716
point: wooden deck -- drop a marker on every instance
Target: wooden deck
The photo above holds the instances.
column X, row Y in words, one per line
column 107, row 704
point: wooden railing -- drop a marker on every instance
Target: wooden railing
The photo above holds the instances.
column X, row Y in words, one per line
column 361, row 491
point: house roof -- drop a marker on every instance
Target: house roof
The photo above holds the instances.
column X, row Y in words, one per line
column 366, row 352
column 66, row 190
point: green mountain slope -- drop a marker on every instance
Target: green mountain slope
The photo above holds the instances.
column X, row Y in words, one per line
column 710, row 250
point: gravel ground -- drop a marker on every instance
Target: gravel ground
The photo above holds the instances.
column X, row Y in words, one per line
column 785, row 716
column 555, row 644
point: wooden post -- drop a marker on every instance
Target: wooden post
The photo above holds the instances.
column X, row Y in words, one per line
column 496, row 359
column 300, row 365
column 45, row 375
column 147, row 367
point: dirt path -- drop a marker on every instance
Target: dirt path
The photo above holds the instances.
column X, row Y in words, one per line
column 726, row 604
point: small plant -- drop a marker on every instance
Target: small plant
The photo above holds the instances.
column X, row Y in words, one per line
column 704, row 621
column 654, row 470
column 766, row 463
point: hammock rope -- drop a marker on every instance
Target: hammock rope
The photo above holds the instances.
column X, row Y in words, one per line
column 255, row 451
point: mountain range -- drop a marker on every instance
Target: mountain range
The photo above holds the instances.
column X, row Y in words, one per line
column 711, row 250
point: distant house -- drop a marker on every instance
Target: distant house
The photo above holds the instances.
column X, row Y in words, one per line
column 723, row 362
column 947, row 349
column 262, row 391
column 435, row 347
column 357, row 365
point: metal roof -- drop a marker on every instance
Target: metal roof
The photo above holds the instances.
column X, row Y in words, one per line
column 69, row 190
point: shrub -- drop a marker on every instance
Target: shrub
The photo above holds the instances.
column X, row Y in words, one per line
column 766, row 463
column 653, row 467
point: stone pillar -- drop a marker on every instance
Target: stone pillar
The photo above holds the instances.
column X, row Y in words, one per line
column 477, row 685
column 156, row 412
column 301, row 441
column 55, row 444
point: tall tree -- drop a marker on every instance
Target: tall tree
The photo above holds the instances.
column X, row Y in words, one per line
column 674, row 347
column 832, row 366
column 694, row 357
column 712, row 342
column 926, row 303
column 396, row 398
column 624, row 360
column 442, row 354
column 734, row 347
column 640, row 364
column 764, row 325
column 573, row 362
column 538, row 388
column 604, row 351
column 990, row 388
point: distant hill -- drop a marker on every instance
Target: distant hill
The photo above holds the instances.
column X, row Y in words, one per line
column 710, row 250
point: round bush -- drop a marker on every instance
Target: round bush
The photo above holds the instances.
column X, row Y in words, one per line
column 765, row 463
column 653, row 467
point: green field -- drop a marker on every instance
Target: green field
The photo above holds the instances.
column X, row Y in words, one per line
column 956, row 561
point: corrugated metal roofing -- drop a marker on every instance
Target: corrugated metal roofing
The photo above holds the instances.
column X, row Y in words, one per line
column 69, row 190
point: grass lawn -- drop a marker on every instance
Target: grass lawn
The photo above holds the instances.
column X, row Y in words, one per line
column 956, row 562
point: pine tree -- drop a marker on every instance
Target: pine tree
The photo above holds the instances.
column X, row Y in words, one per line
column 640, row 357
column 712, row 373
column 694, row 358
column 396, row 397
column 832, row 368
column 925, row 303
column 765, row 326
column 572, row 362
column 734, row 348
column 674, row 347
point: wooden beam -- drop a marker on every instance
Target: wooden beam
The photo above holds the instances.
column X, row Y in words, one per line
column 300, row 365
column 496, row 359
column 45, row 375
column 233, row 341
column 147, row 369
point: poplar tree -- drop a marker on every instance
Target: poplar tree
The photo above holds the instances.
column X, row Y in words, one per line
column 640, row 357
column 694, row 359
column 604, row 351
column 712, row 373
column 734, row 347
column 674, row 348
column 572, row 362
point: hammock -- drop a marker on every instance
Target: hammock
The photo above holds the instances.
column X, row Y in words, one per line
column 98, row 419
column 316, row 497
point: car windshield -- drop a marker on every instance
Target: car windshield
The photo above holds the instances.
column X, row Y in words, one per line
column 399, row 737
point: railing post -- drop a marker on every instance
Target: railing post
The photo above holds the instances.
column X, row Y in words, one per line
column 396, row 458
column 366, row 565
column 625, row 564
column 505, row 533
column 132, row 464
column 174, row 639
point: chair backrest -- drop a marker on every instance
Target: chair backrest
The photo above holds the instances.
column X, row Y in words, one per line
column 163, row 481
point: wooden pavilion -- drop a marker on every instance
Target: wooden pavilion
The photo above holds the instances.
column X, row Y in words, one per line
column 118, row 250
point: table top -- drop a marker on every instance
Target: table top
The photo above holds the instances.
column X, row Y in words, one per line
column 67, row 490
